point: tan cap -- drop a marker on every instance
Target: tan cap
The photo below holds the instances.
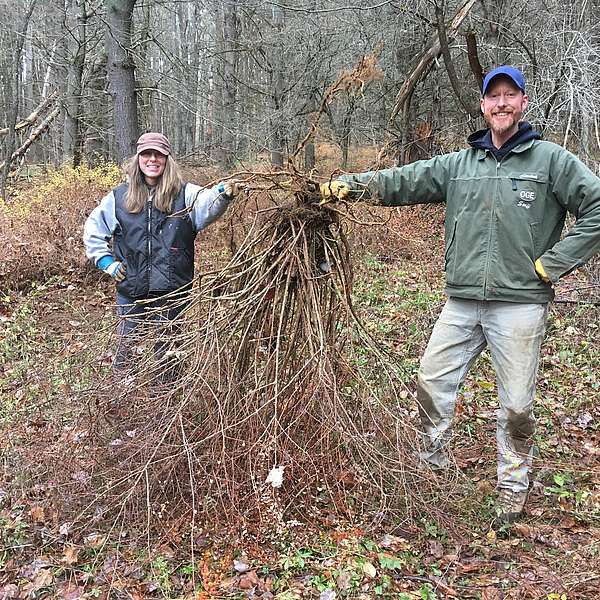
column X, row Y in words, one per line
column 154, row 141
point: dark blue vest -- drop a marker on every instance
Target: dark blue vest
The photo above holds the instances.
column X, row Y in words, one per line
column 157, row 248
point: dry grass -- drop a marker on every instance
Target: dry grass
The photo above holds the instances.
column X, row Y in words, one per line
column 41, row 226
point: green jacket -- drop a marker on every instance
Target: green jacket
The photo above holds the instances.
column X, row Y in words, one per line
column 500, row 216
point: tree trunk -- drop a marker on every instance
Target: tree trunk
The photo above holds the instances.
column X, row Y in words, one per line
column 465, row 97
column 425, row 60
column 16, row 93
column 228, row 106
column 277, row 90
column 311, row 103
column 347, row 129
column 309, row 148
column 72, row 142
column 121, row 75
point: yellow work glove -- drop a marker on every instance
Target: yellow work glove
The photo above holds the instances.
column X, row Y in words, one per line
column 539, row 269
column 334, row 190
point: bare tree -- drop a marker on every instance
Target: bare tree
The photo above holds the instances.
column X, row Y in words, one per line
column 76, row 15
column 228, row 40
column 277, row 90
column 233, row 79
column 422, row 67
column 121, row 75
column 16, row 93
column 466, row 99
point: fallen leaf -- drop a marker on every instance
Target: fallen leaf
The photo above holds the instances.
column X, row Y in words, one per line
column 524, row 530
column 444, row 587
column 584, row 419
column 43, row 579
column 75, row 347
column 80, row 476
column 31, row 570
column 344, row 581
column 37, row 514
column 369, row 570
column 249, row 580
column 94, row 540
column 240, row 566
column 9, row 591
column 490, row 593
column 228, row 583
column 436, row 548
column 470, row 567
column 166, row 551
column 71, row 591
column 70, row 556
column 394, row 542
column 65, row 528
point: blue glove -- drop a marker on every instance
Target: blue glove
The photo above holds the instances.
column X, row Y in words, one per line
column 229, row 188
column 115, row 268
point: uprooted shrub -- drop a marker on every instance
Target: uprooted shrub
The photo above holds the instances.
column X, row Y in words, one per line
column 268, row 401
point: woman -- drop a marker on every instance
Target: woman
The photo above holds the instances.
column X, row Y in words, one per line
column 142, row 235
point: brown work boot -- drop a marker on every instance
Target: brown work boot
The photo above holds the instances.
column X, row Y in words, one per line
column 509, row 505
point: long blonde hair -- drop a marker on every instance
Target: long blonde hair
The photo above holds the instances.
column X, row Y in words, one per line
column 166, row 190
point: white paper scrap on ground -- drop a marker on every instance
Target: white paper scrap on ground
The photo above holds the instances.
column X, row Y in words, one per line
column 275, row 477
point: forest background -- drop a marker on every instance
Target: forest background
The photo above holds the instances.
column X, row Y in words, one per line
column 237, row 85
column 232, row 80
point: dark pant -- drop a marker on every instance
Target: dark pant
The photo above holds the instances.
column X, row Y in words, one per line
column 155, row 314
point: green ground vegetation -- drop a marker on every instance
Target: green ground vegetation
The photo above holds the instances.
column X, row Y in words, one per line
column 55, row 337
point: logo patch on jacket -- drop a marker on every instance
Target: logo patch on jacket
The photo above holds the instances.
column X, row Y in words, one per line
column 526, row 195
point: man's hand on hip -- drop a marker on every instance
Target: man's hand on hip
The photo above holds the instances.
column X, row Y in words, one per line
column 541, row 272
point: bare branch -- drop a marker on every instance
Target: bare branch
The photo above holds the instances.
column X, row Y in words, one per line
column 34, row 135
column 33, row 117
column 426, row 58
column 329, row 10
column 467, row 105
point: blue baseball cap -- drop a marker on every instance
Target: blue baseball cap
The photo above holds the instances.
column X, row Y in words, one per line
column 509, row 72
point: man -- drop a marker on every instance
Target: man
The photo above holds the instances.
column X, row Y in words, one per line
column 506, row 201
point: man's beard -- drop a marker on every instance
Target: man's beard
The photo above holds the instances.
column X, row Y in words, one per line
column 509, row 124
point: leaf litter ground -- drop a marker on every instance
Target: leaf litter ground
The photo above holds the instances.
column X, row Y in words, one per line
column 53, row 350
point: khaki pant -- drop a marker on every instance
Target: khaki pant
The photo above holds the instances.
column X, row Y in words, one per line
column 514, row 333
